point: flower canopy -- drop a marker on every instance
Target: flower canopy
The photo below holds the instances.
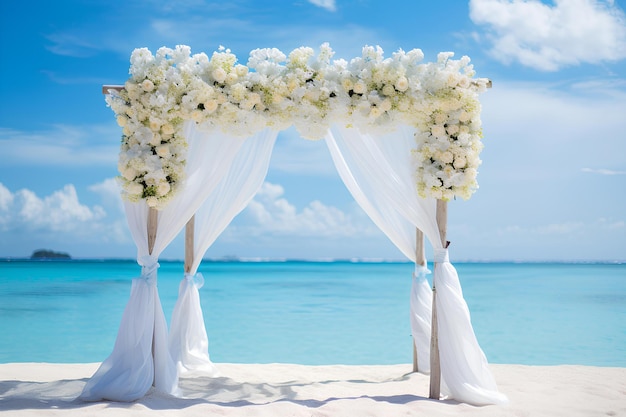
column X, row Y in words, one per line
column 370, row 93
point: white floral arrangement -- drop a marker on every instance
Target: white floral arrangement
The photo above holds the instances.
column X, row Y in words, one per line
column 371, row 93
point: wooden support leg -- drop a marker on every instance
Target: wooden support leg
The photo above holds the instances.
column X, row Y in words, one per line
column 153, row 218
column 151, row 230
column 420, row 259
column 435, row 366
column 189, row 243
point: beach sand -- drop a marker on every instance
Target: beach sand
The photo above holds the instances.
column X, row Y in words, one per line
column 275, row 390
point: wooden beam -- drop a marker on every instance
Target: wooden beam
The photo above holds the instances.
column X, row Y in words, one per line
column 435, row 366
column 106, row 88
column 153, row 218
column 189, row 243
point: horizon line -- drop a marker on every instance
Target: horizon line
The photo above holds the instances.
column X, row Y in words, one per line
column 236, row 259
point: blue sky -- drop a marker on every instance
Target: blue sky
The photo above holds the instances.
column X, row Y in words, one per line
column 552, row 182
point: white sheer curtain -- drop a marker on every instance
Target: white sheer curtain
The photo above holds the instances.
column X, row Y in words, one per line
column 379, row 172
column 364, row 175
column 188, row 339
column 141, row 357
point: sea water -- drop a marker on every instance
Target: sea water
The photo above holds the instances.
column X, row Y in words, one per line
column 318, row 312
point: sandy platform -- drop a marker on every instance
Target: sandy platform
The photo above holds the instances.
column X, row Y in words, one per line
column 276, row 390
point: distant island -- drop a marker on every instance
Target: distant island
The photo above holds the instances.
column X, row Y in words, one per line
column 49, row 254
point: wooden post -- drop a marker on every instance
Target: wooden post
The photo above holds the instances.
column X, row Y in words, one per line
column 420, row 259
column 189, row 243
column 152, row 223
column 435, row 366
column 153, row 217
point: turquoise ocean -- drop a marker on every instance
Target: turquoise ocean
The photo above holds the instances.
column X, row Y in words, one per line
column 319, row 312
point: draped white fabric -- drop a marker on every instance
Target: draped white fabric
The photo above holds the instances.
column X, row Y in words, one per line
column 464, row 368
column 188, row 338
column 141, row 356
column 421, row 316
column 379, row 172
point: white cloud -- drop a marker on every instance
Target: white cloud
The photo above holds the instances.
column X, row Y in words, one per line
column 59, row 212
column 6, row 198
column 270, row 213
column 61, row 145
column 565, row 230
column 325, row 4
column 603, row 171
column 68, row 44
column 549, row 37
column 109, row 192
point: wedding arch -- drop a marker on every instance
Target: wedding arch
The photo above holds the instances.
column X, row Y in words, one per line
column 198, row 132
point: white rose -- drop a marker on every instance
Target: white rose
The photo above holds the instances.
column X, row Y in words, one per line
column 402, row 84
column 129, row 174
column 246, row 104
column 460, row 162
column 219, row 75
column 196, row 116
column 452, row 129
column 359, row 87
column 464, row 116
column 210, row 106
column 375, row 112
column 167, row 129
column 254, row 98
column 453, row 80
column 388, row 90
column 134, row 188
column 231, row 78
column 147, row 86
column 438, row 130
column 163, row 188
column 446, row 157
column 163, row 150
column 347, row 84
column 241, row 70
column 464, row 138
column 155, row 124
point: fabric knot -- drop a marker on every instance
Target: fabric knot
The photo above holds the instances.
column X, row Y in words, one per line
column 149, row 267
column 420, row 272
column 196, row 279
column 441, row 255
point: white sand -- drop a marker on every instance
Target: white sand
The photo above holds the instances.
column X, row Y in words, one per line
column 275, row 390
